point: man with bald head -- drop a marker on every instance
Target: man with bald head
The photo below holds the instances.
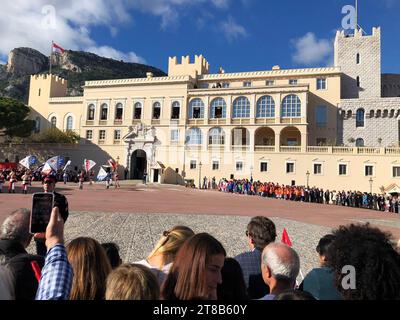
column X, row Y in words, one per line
column 280, row 265
column 14, row 239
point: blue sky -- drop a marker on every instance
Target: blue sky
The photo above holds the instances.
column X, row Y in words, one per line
column 239, row 35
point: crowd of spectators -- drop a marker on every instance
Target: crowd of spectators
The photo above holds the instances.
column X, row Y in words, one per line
column 185, row 265
column 380, row 202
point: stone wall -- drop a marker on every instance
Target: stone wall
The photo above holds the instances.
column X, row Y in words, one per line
column 382, row 118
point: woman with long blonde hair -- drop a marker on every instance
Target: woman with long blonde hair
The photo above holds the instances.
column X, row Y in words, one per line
column 161, row 258
column 91, row 267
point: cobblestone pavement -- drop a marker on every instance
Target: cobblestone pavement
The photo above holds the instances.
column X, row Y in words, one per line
column 136, row 234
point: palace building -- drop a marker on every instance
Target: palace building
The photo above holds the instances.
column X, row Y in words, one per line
column 327, row 127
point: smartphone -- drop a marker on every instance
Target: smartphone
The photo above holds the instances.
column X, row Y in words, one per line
column 42, row 205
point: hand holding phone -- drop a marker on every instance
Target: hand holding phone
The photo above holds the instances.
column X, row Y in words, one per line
column 42, row 205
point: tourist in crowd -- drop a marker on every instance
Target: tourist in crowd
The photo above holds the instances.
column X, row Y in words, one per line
column 233, row 287
column 56, row 277
column 6, row 283
column 319, row 281
column 132, row 282
column 260, row 232
column 14, row 239
column 196, row 271
column 280, row 267
column 90, row 266
column 161, row 258
column 370, row 261
column 292, row 295
column 112, row 251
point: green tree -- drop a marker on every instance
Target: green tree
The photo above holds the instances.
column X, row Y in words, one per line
column 13, row 122
column 53, row 135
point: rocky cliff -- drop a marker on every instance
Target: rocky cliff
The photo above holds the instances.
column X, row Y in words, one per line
column 76, row 66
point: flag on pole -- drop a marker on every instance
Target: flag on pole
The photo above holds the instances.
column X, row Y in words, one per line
column 56, row 162
column 57, row 49
column 29, row 161
column 47, row 168
column 88, row 164
column 102, row 174
column 67, row 165
column 113, row 164
column 285, row 238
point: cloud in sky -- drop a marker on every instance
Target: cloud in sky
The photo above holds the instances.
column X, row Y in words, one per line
column 310, row 51
column 232, row 30
column 36, row 23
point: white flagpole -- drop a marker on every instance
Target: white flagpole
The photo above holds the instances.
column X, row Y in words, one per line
column 51, row 54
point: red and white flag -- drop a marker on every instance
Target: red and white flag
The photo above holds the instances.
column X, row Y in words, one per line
column 113, row 164
column 89, row 164
column 57, row 48
column 47, row 168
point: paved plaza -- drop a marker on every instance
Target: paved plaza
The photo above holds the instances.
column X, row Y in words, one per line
column 136, row 215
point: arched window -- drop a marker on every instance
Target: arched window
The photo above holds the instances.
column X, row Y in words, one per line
column 359, row 142
column 266, row 107
column 360, row 116
column 104, row 112
column 175, row 110
column 53, row 122
column 156, row 110
column 216, row 136
column 196, row 109
column 70, row 123
column 194, row 136
column 119, row 111
column 241, row 108
column 137, row 112
column 90, row 114
column 291, row 106
column 37, row 125
column 218, row 109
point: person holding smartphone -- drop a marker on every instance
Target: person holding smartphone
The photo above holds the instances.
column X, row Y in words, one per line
column 60, row 201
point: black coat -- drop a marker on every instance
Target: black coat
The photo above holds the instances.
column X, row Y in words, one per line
column 14, row 255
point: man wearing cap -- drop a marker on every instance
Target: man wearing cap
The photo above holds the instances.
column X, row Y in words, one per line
column 60, row 201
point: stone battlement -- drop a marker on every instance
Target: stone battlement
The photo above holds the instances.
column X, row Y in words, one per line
column 52, row 77
column 376, row 32
column 200, row 66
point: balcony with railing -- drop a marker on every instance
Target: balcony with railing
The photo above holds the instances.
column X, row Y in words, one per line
column 290, row 149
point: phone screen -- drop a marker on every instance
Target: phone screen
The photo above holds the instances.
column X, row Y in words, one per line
column 42, row 206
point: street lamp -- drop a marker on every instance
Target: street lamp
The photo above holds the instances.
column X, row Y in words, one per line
column 200, row 164
column 370, row 184
column 308, row 177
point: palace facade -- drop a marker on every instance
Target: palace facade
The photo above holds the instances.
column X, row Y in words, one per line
column 328, row 127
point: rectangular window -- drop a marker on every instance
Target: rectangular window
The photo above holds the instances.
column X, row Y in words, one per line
column 174, row 135
column 264, row 167
column 396, row 172
column 321, row 84
column 215, row 165
column 225, row 85
column 342, row 169
column 89, row 134
column 321, row 141
column 269, row 83
column 293, row 82
column 317, row 168
column 369, row 171
column 321, row 116
column 292, row 142
column 204, row 85
column 138, row 112
column 247, row 84
column 102, row 135
column 239, row 166
column 192, row 164
column 289, row 167
column 117, row 134
column 175, row 112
